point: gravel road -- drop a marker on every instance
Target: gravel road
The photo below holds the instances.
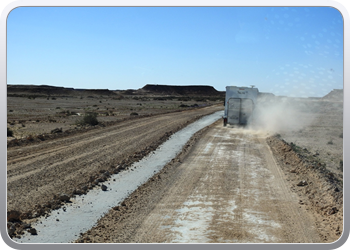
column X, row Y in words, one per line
column 226, row 189
column 37, row 174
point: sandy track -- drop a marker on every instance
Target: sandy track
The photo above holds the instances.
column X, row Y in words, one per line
column 227, row 189
column 38, row 172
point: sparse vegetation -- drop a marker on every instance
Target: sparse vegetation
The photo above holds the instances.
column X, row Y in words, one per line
column 295, row 148
column 67, row 113
column 341, row 135
column 330, row 142
column 183, row 106
column 30, row 137
column 134, row 113
column 184, row 98
column 90, row 118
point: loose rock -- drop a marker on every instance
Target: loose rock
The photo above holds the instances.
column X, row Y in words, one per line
column 333, row 210
column 13, row 215
column 56, row 130
column 33, row 231
column 64, row 197
column 11, row 228
column 302, row 183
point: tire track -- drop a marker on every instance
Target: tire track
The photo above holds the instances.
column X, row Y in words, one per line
column 227, row 190
column 86, row 139
column 59, row 166
column 298, row 218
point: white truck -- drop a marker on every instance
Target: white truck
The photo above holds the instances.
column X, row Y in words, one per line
column 239, row 104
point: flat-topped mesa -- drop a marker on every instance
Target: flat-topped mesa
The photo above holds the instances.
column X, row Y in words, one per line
column 45, row 90
column 202, row 90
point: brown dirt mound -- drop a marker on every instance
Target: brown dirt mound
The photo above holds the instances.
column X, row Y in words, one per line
column 320, row 191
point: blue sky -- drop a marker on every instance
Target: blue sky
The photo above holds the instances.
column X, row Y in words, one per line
column 295, row 51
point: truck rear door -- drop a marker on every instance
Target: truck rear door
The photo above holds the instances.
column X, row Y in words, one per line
column 233, row 111
column 246, row 110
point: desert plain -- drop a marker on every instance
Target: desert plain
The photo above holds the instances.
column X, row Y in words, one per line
column 279, row 179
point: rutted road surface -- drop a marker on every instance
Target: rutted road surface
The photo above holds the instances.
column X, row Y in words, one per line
column 226, row 189
column 37, row 174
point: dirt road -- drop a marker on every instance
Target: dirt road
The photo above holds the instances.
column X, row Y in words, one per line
column 37, row 174
column 228, row 188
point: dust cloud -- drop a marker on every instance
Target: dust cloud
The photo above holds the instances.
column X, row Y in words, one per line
column 279, row 115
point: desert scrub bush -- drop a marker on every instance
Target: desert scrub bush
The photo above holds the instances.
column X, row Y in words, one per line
column 30, row 137
column 295, row 148
column 9, row 132
column 330, row 142
column 341, row 135
column 183, row 106
column 201, row 99
column 89, row 118
column 278, row 136
column 184, row 99
column 67, row 113
column 134, row 113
